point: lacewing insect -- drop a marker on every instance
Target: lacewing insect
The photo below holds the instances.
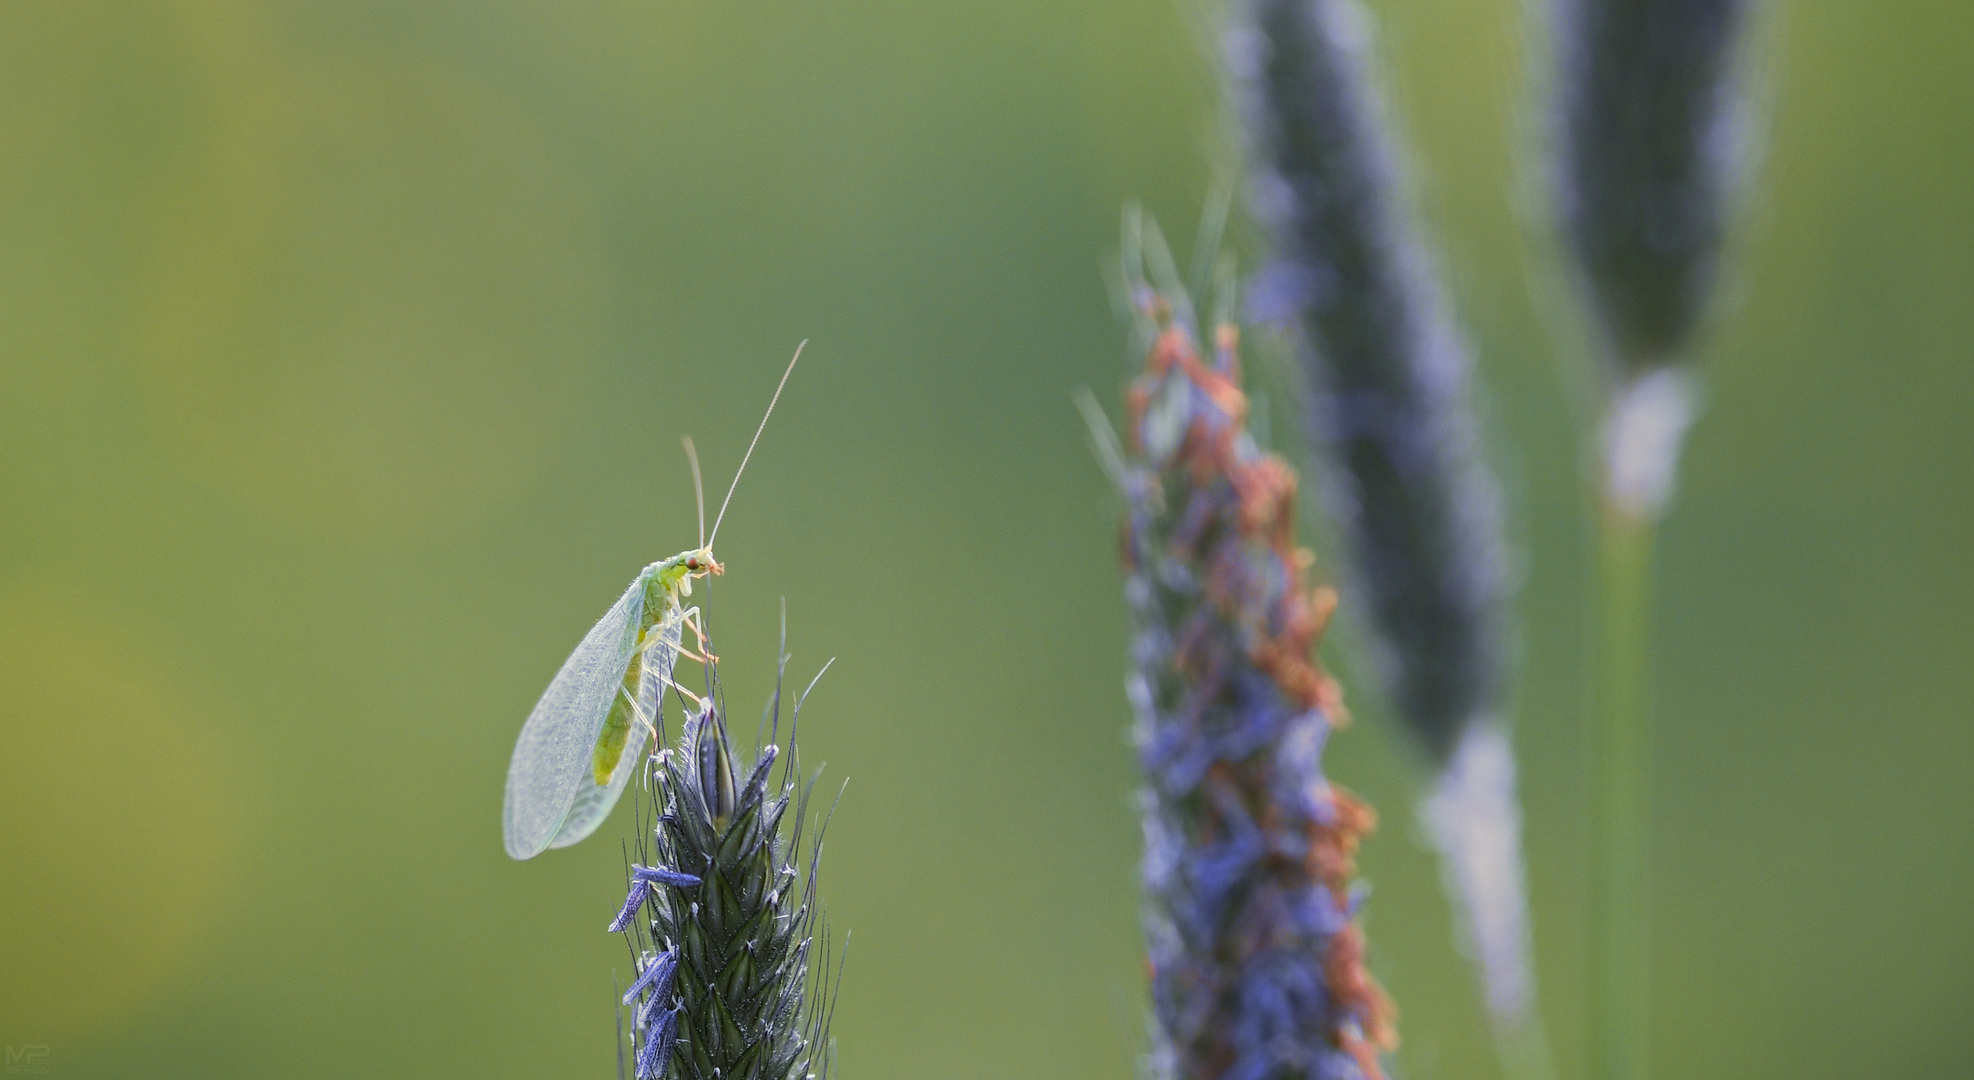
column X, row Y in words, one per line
column 588, row 732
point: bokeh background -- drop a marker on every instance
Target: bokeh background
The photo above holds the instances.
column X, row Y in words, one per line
column 344, row 352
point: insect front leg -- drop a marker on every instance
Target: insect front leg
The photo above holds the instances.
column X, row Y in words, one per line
column 690, row 618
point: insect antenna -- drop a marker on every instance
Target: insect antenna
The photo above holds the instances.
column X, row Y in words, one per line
column 698, row 488
column 757, row 438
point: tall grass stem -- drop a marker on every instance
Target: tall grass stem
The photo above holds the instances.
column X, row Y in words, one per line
column 1620, row 750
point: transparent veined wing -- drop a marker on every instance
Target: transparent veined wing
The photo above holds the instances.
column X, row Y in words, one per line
column 593, row 801
column 552, row 757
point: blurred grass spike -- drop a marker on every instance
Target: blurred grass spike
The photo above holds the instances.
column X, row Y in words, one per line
column 1257, row 967
column 587, row 734
column 724, row 953
column 1386, row 371
column 1404, row 477
column 1649, row 123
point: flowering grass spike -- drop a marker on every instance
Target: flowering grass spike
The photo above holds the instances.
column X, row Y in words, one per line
column 725, row 986
column 1257, row 965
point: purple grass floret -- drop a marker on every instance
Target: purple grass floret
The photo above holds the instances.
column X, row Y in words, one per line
column 1257, row 968
column 640, row 892
column 643, row 878
column 659, row 875
column 715, row 774
column 656, row 976
column 660, row 1000
column 656, row 1052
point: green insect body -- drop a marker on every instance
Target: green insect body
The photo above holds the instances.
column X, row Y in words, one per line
column 664, row 584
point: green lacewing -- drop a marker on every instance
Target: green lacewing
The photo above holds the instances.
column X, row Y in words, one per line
column 588, row 732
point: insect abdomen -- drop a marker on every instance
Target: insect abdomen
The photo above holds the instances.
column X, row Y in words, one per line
column 617, row 725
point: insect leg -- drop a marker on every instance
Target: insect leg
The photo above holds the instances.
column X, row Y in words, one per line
column 638, row 712
column 697, row 701
column 690, row 616
column 651, row 638
column 647, row 718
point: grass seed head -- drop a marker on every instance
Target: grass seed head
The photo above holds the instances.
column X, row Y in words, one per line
column 727, row 951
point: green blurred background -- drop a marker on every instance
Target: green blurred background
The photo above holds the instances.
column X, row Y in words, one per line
column 344, row 351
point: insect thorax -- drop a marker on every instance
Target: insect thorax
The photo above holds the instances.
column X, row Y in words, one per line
column 668, row 579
